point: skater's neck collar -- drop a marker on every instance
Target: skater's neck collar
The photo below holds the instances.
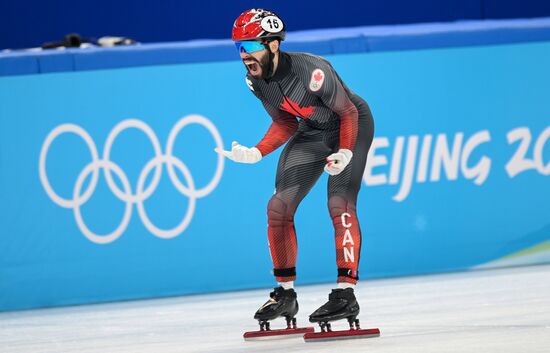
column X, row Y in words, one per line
column 283, row 67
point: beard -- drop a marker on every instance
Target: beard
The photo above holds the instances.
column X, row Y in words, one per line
column 259, row 68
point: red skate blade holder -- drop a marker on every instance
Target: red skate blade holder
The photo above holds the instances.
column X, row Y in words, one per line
column 341, row 335
column 279, row 333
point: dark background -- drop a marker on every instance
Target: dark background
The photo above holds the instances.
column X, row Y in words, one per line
column 27, row 23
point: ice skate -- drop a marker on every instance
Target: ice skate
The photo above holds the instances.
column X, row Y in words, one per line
column 282, row 303
column 341, row 304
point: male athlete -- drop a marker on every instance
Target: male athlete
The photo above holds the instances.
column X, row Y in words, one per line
column 333, row 134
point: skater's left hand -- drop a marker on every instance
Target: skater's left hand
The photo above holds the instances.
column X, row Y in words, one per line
column 338, row 161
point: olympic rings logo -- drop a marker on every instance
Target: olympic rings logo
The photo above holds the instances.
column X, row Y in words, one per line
column 142, row 192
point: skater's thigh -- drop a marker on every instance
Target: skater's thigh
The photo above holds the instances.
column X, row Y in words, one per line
column 300, row 165
column 349, row 181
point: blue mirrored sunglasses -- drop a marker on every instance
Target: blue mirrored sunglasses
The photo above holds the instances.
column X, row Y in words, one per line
column 249, row 46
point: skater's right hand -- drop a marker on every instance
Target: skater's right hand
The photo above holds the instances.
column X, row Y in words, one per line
column 241, row 154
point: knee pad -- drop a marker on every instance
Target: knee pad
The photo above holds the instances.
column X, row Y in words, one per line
column 278, row 212
column 339, row 206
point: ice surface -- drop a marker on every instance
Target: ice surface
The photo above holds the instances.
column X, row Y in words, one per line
column 506, row 310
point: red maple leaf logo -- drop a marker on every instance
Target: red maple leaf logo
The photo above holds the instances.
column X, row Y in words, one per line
column 293, row 108
column 318, row 76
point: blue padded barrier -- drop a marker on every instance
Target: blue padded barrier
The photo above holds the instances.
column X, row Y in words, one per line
column 321, row 42
column 19, row 64
column 57, row 62
column 458, row 39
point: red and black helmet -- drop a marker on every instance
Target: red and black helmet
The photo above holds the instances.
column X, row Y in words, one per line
column 256, row 24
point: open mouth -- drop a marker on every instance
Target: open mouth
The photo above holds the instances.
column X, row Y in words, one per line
column 253, row 67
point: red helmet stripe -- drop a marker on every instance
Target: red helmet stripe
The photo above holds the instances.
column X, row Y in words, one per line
column 248, row 26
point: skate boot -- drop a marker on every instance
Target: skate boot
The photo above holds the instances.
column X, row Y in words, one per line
column 282, row 303
column 341, row 304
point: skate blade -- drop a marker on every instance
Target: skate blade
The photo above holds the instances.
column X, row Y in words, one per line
column 276, row 334
column 341, row 335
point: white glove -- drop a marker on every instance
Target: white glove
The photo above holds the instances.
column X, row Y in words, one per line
column 338, row 161
column 241, row 154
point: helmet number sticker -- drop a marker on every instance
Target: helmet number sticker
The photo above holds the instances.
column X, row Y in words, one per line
column 272, row 24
